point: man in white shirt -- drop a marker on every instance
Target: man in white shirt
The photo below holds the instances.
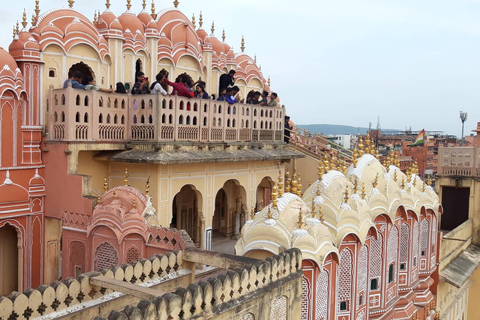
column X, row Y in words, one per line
column 158, row 86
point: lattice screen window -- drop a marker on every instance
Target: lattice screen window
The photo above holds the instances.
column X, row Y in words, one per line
column 362, row 275
column 279, row 309
column 133, row 254
column 345, row 279
column 392, row 245
column 424, row 238
column 376, row 260
column 247, row 316
column 404, row 245
column 415, row 243
column 77, row 258
column 305, row 307
column 105, row 256
column 321, row 305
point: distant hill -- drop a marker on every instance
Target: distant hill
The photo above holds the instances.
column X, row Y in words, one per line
column 327, row 129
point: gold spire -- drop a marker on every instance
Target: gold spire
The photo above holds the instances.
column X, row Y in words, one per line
column 294, row 182
column 200, row 21
column 326, row 163
column 14, row 31
column 344, row 167
column 105, row 184
column 355, row 184
column 252, row 214
column 395, row 175
column 320, row 213
column 107, row 4
column 299, row 187
column 280, row 184
column 375, row 181
column 114, row 193
column 242, row 44
column 345, row 198
column 37, row 8
column 213, row 27
column 255, row 58
column 125, row 178
column 363, row 191
column 313, row 207
column 367, row 143
column 397, row 159
column 144, row 4
column 33, row 19
column 154, row 15
column 274, row 195
column 223, row 35
column 268, row 81
column 129, row 5
column 360, row 147
column 193, row 21
column 414, row 180
column 95, row 17
column 320, row 169
column 269, row 213
column 300, row 220
column 377, row 155
column 24, row 19
column 355, row 157
column 134, row 204
column 372, row 147
column 287, row 181
column 17, row 29
column 423, row 187
column 175, row 3
column 403, row 183
column 70, row 3
column 309, row 183
column 429, row 180
column 99, row 198
column 147, row 186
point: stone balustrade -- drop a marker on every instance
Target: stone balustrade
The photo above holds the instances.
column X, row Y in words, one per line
column 76, row 295
column 78, row 115
column 459, row 161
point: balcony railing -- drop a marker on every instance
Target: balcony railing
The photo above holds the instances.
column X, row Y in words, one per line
column 459, row 161
column 78, row 115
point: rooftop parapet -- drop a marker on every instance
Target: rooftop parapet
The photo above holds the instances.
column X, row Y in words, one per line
column 459, row 161
column 78, row 115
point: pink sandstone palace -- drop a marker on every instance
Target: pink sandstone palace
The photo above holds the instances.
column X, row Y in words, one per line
column 109, row 203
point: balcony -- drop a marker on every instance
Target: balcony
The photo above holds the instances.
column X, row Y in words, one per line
column 78, row 115
column 459, row 161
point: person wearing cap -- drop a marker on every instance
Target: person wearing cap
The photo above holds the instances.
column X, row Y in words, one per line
column 226, row 80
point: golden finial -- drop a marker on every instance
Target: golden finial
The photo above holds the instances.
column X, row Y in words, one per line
column 429, row 180
column 223, row 35
column 125, row 178
column 437, row 315
column 326, row 163
column 294, row 182
column 144, row 4
column 134, row 204
column 147, row 186
column 345, row 198
column 269, row 213
column 287, row 182
column 252, row 214
column 154, row 15
column 17, row 29
column 193, row 21
column 274, row 195
column 242, row 44
column 129, row 5
column 200, row 21
column 355, row 184
column 320, row 213
column 344, row 167
column 114, row 193
column 255, row 58
column 299, row 187
column 175, row 3
column 300, row 219
column 107, row 4
column 360, row 147
column 375, row 181
column 397, row 159
column 268, row 81
column 377, row 155
column 363, row 191
column 320, row 169
column 395, row 175
column 213, row 27
column 33, row 19
column 313, row 207
column 403, row 183
column 367, row 143
column 37, row 8
column 414, row 180
column 280, row 184
column 355, row 157
column 105, row 184
column 95, row 17
column 423, row 187
column 14, row 31
column 24, row 19
column 99, row 198
column 70, row 3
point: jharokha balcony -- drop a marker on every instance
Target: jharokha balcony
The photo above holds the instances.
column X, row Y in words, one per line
column 78, row 115
column 459, row 161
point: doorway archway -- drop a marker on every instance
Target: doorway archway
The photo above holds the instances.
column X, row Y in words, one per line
column 83, row 68
column 230, row 210
column 185, row 212
column 264, row 191
column 9, row 262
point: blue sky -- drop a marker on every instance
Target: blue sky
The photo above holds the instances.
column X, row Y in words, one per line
column 412, row 63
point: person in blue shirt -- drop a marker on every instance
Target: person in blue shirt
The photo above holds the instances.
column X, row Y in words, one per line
column 229, row 97
column 75, row 80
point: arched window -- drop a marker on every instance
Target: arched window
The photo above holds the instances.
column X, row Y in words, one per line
column 123, row 120
column 187, row 120
column 77, row 100
column 115, row 103
column 108, row 118
column 163, row 118
column 228, row 123
column 115, row 119
column 100, row 118
column 85, row 117
column 194, row 122
column 181, row 105
column 85, row 102
column 77, row 117
column 150, row 119
column 345, row 279
column 390, row 273
column 142, row 119
column 205, row 121
column 205, row 107
column 180, row 119
column 170, row 119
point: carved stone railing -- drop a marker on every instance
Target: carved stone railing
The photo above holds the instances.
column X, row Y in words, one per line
column 459, row 161
column 78, row 115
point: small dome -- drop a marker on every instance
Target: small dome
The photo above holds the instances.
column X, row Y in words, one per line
column 25, row 41
column 7, row 60
column 147, row 20
column 217, row 45
column 131, row 22
column 202, row 34
column 108, row 21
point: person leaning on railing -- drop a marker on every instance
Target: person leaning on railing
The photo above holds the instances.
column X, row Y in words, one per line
column 142, row 85
column 288, row 128
column 75, row 80
column 273, row 102
column 179, row 88
column 89, row 84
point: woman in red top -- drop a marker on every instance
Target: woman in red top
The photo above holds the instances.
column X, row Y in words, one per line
column 180, row 89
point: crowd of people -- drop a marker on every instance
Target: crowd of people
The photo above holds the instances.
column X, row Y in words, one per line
column 184, row 86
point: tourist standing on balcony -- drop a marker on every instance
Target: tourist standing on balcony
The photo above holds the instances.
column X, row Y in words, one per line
column 158, row 88
column 288, row 129
column 226, row 80
column 273, row 102
column 120, row 88
column 237, row 95
column 229, row 96
column 89, row 84
column 221, row 96
column 142, row 85
column 200, row 92
column 179, row 88
column 255, row 98
column 264, row 101
column 75, row 80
